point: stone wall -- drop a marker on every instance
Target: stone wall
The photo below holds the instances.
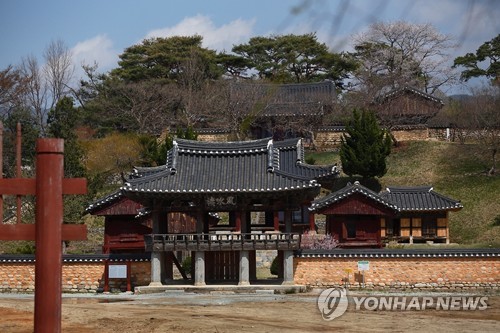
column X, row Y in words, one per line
column 418, row 134
column 328, row 139
column 213, row 137
column 425, row 273
column 78, row 277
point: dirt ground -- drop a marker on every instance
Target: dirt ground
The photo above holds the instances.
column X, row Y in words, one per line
column 262, row 312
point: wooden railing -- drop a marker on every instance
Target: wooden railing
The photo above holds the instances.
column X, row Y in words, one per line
column 222, row 242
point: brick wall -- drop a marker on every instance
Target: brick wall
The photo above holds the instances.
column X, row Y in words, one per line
column 81, row 277
column 401, row 273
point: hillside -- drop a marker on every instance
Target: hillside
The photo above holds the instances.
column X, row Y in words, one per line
column 453, row 169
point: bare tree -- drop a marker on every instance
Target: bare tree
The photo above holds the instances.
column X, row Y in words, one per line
column 400, row 53
column 150, row 105
column 58, row 69
column 36, row 93
column 12, row 87
column 483, row 107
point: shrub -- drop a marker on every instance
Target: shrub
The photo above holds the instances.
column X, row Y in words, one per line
column 186, row 265
column 313, row 241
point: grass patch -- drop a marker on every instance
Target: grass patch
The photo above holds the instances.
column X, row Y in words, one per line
column 455, row 170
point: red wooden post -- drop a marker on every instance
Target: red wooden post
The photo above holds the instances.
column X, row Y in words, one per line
column 1, row 169
column 48, row 235
column 312, row 225
column 106, row 276
column 276, row 221
column 19, row 201
column 48, row 230
column 129, row 273
column 237, row 226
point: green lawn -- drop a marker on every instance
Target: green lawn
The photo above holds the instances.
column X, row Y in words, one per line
column 455, row 170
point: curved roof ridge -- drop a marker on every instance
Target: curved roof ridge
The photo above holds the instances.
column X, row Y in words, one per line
column 348, row 190
column 421, row 188
column 419, row 198
column 190, row 144
column 110, row 198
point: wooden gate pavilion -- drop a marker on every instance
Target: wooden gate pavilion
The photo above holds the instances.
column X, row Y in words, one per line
column 202, row 179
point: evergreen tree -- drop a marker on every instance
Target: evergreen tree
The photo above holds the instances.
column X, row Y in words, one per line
column 62, row 121
column 365, row 146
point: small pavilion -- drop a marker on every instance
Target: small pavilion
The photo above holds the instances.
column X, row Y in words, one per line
column 238, row 180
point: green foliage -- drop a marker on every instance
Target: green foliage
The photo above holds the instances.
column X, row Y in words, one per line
column 496, row 221
column 310, row 160
column 187, row 265
column 275, row 266
column 25, row 247
column 364, row 146
column 154, row 152
column 165, row 59
column 455, row 170
column 488, row 52
column 29, row 133
column 62, row 121
column 294, row 58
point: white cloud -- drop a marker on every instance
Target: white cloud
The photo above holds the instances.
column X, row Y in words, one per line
column 98, row 49
column 218, row 38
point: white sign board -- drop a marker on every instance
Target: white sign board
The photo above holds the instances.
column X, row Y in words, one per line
column 117, row 271
column 363, row 265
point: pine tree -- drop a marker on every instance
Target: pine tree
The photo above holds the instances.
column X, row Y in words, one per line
column 365, row 146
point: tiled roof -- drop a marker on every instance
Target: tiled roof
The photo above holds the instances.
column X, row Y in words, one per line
column 397, row 91
column 297, row 99
column 107, row 200
column 402, row 199
column 347, row 191
column 220, row 167
column 422, row 198
column 291, row 160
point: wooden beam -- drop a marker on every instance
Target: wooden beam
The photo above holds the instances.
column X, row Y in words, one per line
column 23, row 231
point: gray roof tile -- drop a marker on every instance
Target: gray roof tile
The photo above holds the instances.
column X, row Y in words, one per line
column 230, row 167
column 422, row 198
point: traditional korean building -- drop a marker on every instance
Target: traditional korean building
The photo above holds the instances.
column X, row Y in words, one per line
column 360, row 217
column 236, row 180
column 423, row 214
column 406, row 106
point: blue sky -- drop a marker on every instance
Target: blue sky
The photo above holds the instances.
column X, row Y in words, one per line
column 99, row 30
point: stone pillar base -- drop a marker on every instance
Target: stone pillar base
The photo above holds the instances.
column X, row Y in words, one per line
column 155, row 284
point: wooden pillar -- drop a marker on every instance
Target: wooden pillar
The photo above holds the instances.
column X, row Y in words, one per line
column 48, row 235
column 106, row 276
column 169, row 266
column 200, row 221
column 312, row 222
column 129, row 273
column 288, row 220
column 253, row 265
column 237, row 221
column 276, row 220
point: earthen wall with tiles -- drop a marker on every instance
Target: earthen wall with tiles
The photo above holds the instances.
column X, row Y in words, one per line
column 78, row 277
column 450, row 273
